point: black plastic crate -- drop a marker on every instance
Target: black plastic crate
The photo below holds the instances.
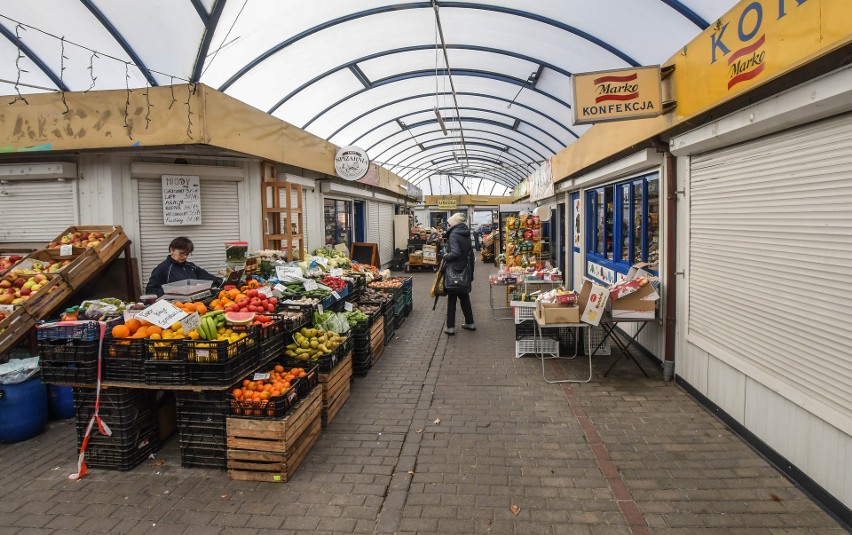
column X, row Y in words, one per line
column 274, row 407
column 294, row 323
column 120, row 408
column 271, row 348
column 408, row 309
column 139, row 432
column 203, row 458
column 85, row 331
column 165, row 372
column 124, row 459
column 124, row 370
column 201, row 411
column 68, row 350
column 221, row 373
column 525, row 329
column 75, row 373
column 217, row 351
column 326, row 363
column 398, row 321
column 164, row 349
column 127, row 348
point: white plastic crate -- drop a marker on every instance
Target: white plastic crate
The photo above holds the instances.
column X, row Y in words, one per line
column 545, row 346
column 594, row 335
column 524, row 311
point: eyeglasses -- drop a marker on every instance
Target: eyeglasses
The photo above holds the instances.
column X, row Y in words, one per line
column 182, row 253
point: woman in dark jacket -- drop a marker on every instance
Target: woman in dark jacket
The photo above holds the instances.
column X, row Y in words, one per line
column 176, row 268
column 459, row 253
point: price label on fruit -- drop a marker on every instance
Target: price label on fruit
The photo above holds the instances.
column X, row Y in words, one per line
column 289, row 272
column 310, row 285
column 265, row 290
column 190, row 322
column 348, row 307
column 66, row 250
column 320, row 309
column 336, row 272
column 260, row 377
column 7, row 309
column 162, row 314
column 336, row 295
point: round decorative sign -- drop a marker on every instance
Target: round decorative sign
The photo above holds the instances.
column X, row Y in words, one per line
column 351, row 163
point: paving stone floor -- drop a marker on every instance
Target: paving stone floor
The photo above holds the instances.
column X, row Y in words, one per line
column 446, row 435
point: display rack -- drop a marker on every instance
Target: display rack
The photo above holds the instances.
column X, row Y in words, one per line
column 282, row 211
column 523, row 239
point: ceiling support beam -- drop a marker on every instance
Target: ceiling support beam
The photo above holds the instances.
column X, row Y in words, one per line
column 210, row 24
column 449, row 77
column 359, row 74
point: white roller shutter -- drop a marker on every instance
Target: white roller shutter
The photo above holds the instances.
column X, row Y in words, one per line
column 36, row 211
column 373, row 223
column 220, row 218
column 770, row 263
column 386, row 233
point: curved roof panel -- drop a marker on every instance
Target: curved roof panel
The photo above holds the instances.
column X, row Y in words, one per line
column 370, row 73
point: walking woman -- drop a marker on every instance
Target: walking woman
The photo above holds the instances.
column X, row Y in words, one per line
column 458, row 272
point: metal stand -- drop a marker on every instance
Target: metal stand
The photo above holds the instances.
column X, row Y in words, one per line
column 609, row 327
column 495, row 307
column 538, row 335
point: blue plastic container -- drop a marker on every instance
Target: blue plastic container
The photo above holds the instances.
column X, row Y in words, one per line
column 23, row 410
column 60, row 402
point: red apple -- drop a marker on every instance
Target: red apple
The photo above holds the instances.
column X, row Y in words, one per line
column 19, row 282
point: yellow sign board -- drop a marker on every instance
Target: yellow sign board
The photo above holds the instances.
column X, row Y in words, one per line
column 753, row 43
column 617, row 95
column 448, row 204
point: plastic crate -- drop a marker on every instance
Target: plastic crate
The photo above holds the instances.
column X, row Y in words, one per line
column 223, row 373
column 594, row 336
column 216, row 351
column 274, row 407
column 69, row 350
column 398, row 321
column 85, row 330
column 128, row 348
column 77, row 373
column 165, row 372
column 119, row 404
column 524, row 329
column 408, row 309
column 141, row 431
column 123, row 459
column 124, row 370
column 201, row 413
column 545, row 346
column 295, row 323
column 271, row 349
column 191, row 457
column 407, row 283
column 524, row 312
column 164, row 349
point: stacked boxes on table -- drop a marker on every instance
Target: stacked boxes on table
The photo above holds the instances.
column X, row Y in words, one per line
column 131, row 415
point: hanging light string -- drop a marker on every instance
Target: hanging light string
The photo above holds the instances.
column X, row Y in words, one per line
column 21, row 70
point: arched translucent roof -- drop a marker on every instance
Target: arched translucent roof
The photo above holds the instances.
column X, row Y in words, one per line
column 372, row 73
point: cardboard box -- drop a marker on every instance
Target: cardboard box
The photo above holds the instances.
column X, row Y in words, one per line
column 415, row 259
column 430, row 255
column 593, row 300
column 641, row 304
column 549, row 313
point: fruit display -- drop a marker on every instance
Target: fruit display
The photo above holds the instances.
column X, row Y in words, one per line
column 79, row 239
column 355, row 317
column 31, row 266
column 16, row 289
column 136, row 329
column 335, row 283
column 369, row 310
column 311, row 344
column 260, row 397
column 371, row 295
column 390, row 283
column 7, row 262
column 523, row 241
column 190, row 307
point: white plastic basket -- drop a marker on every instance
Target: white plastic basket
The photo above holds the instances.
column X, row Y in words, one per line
column 545, row 346
column 524, row 312
column 594, row 335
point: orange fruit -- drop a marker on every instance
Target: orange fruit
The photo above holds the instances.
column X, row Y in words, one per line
column 133, row 325
column 200, row 308
column 153, row 329
column 145, row 323
column 275, row 393
column 120, row 331
column 279, row 368
column 237, row 393
column 245, row 383
column 303, row 374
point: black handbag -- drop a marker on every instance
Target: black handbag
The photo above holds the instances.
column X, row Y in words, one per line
column 457, row 280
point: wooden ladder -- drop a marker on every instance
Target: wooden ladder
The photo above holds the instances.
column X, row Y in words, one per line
column 283, row 225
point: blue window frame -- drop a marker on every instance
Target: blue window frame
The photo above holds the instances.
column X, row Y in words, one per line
column 622, row 224
column 338, row 222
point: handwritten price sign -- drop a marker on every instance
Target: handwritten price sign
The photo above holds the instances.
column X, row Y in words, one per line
column 162, row 314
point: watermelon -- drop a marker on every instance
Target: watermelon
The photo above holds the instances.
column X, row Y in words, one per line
column 239, row 318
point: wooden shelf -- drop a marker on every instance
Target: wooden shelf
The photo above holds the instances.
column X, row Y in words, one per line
column 278, row 231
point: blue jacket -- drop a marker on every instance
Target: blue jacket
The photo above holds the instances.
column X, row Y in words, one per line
column 459, row 250
column 171, row 271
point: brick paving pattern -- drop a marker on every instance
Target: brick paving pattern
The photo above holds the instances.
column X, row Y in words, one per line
column 446, row 435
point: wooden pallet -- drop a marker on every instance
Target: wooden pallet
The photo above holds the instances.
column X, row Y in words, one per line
column 378, row 329
column 272, row 449
column 335, row 389
column 14, row 327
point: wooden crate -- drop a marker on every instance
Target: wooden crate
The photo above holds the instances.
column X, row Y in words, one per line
column 376, row 352
column 82, row 269
column 272, row 450
column 14, row 327
column 48, row 299
column 377, row 331
column 335, row 389
column 22, row 252
column 110, row 247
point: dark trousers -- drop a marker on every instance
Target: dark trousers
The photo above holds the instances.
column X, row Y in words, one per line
column 465, row 306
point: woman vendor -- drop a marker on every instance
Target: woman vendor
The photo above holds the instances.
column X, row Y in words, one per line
column 176, row 268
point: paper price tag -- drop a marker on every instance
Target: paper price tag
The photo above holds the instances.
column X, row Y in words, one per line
column 8, row 309
column 66, row 250
column 162, row 314
column 320, row 309
column 310, row 285
column 260, row 377
column 288, row 272
column 336, row 272
column 130, row 314
column 336, row 295
column 98, row 310
column 348, row 307
column 292, row 396
column 265, row 290
column 321, row 260
column 190, row 322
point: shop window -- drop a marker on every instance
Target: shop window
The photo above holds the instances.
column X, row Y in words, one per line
column 338, row 222
column 623, row 225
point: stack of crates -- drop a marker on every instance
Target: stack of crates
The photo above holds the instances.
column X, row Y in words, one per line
column 69, row 353
column 407, row 293
column 390, row 326
column 130, row 414
column 525, row 342
column 361, row 359
column 201, row 423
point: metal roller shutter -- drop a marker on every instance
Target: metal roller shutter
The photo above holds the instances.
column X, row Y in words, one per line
column 386, row 233
column 770, row 265
column 36, row 211
column 373, row 222
column 220, row 219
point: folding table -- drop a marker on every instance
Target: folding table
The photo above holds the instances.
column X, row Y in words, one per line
column 538, row 335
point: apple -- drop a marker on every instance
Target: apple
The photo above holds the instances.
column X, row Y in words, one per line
column 5, row 284
column 40, row 278
column 19, row 282
column 25, row 291
column 6, row 299
column 18, row 301
column 36, row 287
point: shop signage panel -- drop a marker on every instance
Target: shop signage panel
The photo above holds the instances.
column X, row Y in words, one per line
column 448, row 204
column 181, row 200
column 351, row 163
column 541, row 182
column 617, row 95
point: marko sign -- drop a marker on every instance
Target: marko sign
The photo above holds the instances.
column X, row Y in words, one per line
column 617, row 95
column 351, row 163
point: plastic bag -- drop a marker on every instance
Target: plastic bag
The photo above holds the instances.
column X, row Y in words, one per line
column 18, row 370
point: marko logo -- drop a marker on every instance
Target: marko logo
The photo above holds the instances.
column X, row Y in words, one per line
column 616, row 88
column 748, row 61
